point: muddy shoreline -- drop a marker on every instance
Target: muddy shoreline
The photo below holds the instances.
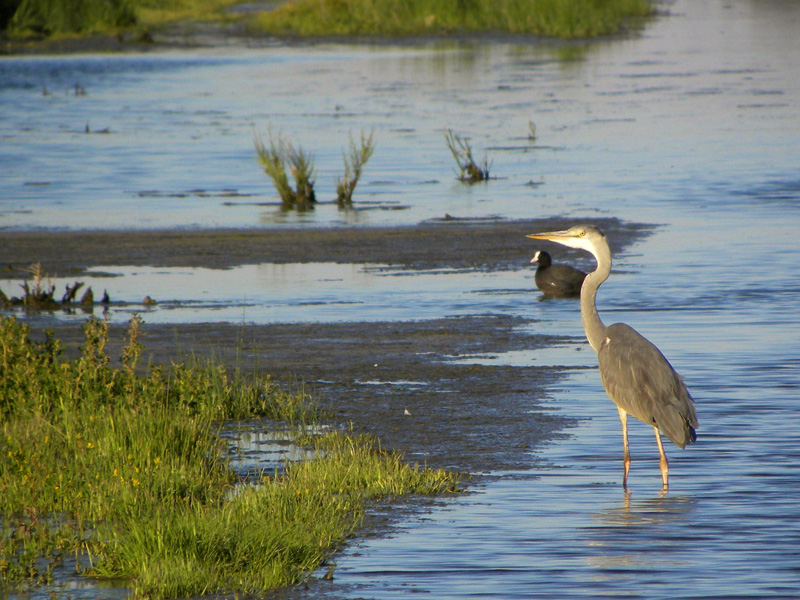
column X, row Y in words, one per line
column 484, row 245
column 463, row 416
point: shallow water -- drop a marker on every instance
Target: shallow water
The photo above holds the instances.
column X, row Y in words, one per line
column 692, row 126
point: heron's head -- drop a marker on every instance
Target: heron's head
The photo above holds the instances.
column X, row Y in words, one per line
column 584, row 237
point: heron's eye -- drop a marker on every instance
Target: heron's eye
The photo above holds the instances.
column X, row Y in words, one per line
column 582, row 233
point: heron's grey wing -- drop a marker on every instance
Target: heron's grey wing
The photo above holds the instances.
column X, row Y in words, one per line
column 640, row 380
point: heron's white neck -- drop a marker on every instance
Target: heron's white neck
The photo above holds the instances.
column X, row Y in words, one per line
column 592, row 325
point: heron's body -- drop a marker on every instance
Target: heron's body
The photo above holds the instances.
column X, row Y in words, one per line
column 557, row 280
column 655, row 396
column 635, row 374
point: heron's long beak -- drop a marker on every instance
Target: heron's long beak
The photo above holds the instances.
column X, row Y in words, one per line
column 553, row 236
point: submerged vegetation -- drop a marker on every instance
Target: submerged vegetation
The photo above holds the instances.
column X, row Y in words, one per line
column 120, row 472
column 566, row 19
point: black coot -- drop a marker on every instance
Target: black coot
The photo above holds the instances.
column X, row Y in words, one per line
column 557, row 280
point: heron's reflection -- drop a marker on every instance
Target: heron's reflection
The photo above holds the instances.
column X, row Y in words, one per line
column 636, row 533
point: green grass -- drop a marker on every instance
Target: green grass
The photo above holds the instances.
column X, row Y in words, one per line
column 59, row 17
column 567, row 19
column 123, row 467
column 64, row 18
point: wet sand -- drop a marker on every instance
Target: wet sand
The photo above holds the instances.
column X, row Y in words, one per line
column 463, row 416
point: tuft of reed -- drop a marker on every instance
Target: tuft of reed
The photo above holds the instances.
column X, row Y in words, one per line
column 275, row 159
column 124, row 469
column 354, row 162
column 566, row 19
column 469, row 170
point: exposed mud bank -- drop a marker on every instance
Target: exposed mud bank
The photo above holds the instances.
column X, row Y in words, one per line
column 445, row 244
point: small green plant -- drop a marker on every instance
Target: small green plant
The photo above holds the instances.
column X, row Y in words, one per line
column 354, row 162
column 469, row 170
column 275, row 160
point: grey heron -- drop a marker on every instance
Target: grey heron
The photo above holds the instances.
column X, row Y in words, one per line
column 554, row 279
column 635, row 375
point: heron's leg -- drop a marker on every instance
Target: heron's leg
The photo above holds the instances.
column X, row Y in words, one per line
column 626, row 455
column 663, row 463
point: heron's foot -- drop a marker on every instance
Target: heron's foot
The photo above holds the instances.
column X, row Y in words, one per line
column 664, row 474
column 626, row 467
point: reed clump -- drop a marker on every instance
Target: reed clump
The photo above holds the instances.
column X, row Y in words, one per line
column 279, row 155
column 469, row 170
column 124, row 469
column 354, row 162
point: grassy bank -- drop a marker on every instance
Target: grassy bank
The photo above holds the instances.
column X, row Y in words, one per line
column 122, row 469
column 565, row 19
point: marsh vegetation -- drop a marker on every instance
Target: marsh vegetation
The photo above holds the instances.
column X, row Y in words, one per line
column 566, row 19
column 120, row 472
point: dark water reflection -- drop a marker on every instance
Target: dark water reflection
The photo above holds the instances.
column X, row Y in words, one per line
column 693, row 126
